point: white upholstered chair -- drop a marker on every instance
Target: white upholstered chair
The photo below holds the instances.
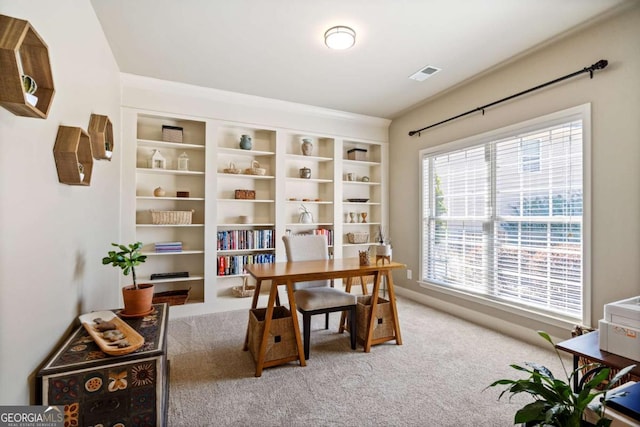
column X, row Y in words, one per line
column 317, row 297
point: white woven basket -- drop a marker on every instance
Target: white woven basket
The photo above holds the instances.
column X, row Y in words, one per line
column 358, row 237
column 255, row 169
column 243, row 291
column 171, row 217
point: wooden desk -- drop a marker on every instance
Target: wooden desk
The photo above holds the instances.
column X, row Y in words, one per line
column 288, row 273
column 588, row 346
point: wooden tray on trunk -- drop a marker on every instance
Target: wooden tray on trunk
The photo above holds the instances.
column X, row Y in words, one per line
column 135, row 339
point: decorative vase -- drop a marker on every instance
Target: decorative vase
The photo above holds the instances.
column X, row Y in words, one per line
column 137, row 302
column 305, row 173
column 159, row 192
column 307, row 146
column 305, row 218
column 245, row 142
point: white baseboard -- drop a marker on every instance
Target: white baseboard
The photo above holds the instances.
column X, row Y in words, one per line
column 520, row 332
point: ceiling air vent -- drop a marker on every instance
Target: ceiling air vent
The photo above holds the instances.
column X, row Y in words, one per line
column 425, row 73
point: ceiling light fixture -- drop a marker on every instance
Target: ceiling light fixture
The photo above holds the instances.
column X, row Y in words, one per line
column 339, row 37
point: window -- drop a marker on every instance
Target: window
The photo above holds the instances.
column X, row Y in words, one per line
column 530, row 156
column 503, row 215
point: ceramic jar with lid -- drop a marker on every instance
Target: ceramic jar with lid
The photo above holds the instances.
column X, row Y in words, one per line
column 305, row 173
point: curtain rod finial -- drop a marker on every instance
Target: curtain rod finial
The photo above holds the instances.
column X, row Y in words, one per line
column 597, row 66
column 600, row 64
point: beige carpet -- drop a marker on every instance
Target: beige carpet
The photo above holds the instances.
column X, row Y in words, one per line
column 436, row 378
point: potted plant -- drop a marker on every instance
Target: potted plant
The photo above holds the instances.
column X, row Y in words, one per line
column 137, row 297
column 555, row 403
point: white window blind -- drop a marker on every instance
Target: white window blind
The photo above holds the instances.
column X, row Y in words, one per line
column 504, row 218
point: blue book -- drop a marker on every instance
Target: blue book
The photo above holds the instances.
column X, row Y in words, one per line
column 629, row 403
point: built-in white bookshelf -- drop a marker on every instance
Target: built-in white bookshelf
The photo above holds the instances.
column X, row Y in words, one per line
column 324, row 181
column 162, row 187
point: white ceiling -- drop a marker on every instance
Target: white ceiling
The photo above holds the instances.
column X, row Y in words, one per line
column 275, row 48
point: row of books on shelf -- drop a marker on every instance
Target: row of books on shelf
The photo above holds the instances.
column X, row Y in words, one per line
column 246, row 239
column 321, row 231
column 234, row 264
column 168, row 246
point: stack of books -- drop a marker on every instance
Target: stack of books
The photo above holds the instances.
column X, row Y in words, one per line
column 168, row 247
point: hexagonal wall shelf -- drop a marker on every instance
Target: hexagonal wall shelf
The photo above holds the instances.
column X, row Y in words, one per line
column 101, row 133
column 73, row 155
column 23, row 52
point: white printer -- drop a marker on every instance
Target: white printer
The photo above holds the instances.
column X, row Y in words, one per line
column 620, row 328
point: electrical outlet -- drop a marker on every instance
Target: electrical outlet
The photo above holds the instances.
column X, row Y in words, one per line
column 409, row 274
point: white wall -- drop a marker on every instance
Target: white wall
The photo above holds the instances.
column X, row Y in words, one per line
column 614, row 94
column 53, row 235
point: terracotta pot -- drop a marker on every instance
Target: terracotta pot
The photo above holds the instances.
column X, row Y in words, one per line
column 137, row 302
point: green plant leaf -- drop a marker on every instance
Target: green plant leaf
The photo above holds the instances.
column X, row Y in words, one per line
column 543, row 370
column 500, row 382
column 520, row 368
column 532, row 412
column 126, row 258
column 597, row 379
column 546, row 336
column 619, row 375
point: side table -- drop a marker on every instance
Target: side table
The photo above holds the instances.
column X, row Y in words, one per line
column 588, row 346
column 98, row 389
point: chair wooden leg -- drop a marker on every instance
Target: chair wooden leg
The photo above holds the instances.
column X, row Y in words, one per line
column 343, row 315
column 352, row 327
column 306, row 332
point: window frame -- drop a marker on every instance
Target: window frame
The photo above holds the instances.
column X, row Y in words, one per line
column 581, row 112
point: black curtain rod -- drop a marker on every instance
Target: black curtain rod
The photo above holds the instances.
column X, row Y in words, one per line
column 597, row 66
